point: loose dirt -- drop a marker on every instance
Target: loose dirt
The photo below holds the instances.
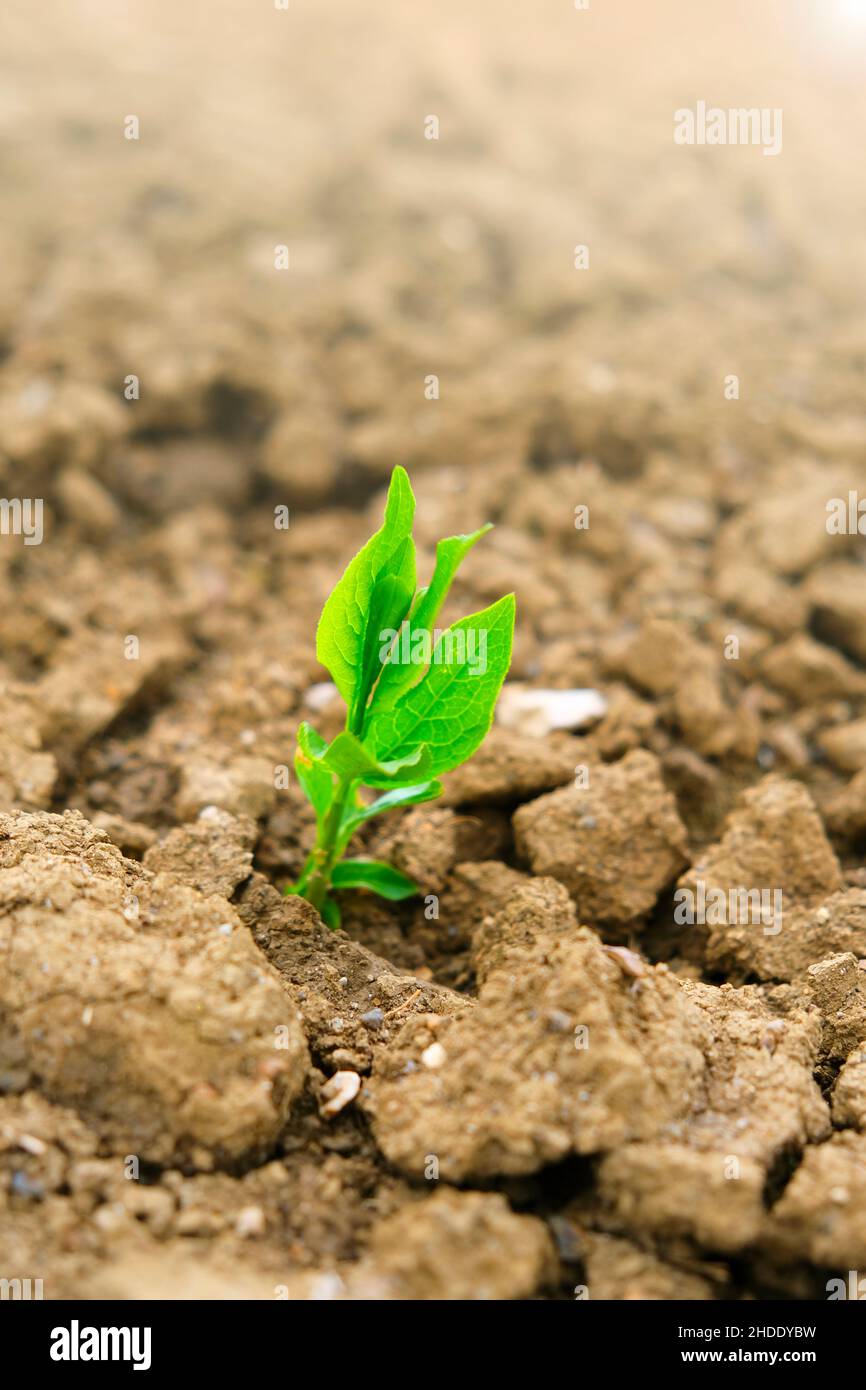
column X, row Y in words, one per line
column 546, row 1078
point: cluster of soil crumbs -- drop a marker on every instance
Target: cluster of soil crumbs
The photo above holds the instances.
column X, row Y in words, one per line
column 533, row 1078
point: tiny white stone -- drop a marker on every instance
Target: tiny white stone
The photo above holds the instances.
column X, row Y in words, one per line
column 337, row 1092
column 433, row 1056
column 250, row 1222
column 326, row 1287
column 320, row 694
column 539, row 712
column 30, row 1144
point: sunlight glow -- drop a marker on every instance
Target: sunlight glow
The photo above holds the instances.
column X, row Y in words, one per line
column 854, row 11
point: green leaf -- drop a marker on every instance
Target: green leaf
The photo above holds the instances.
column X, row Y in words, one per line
column 379, row 878
column 451, row 709
column 400, row 796
column 398, row 675
column 316, row 781
column 351, row 611
column 390, row 601
column 450, row 554
column 349, row 759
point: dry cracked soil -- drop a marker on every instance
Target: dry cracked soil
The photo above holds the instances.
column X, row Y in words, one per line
column 540, row 1077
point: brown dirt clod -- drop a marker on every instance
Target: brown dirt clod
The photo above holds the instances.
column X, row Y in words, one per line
column 138, row 1001
column 615, row 843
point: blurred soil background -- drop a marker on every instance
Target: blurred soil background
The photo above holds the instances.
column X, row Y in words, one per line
column 161, row 1005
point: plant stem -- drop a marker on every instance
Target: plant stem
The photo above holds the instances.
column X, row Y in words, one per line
column 316, row 878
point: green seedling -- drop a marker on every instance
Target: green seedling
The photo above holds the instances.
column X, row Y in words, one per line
column 419, row 701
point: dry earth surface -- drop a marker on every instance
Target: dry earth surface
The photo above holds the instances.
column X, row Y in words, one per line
column 204, row 1093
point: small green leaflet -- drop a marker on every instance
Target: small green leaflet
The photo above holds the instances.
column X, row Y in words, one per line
column 451, row 709
column 350, row 759
column 370, row 873
column 396, row 676
column 317, row 782
column 390, row 601
column 400, row 796
column 363, row 597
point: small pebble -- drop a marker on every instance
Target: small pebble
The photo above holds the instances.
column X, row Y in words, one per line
column 433, row 1056
column 337, row 1093
column 559, row 1021
column 250, row 1222
column 629, row 962
column 24, row 1186
column 539, row 712
column 568, row 1241
column 326, row 1287
column 30, row 1144
column 320, row 694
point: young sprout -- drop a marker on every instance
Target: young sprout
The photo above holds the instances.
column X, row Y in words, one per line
column 418, row 701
